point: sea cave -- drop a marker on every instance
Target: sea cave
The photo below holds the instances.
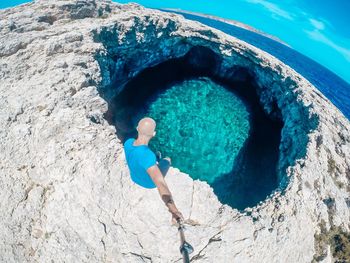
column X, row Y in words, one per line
column 214, row 128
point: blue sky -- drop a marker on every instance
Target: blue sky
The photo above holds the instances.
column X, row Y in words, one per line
column 318, row 29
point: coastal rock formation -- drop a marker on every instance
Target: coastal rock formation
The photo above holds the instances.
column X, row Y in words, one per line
column 66, row 194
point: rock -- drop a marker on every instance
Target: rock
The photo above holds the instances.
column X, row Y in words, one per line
column 66, row 192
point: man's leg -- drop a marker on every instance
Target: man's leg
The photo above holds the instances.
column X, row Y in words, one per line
column 164, row 165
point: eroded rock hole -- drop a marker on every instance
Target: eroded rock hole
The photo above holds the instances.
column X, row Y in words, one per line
column 213, row 128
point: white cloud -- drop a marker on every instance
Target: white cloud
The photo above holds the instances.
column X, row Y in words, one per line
column 277, row 12
column 317, row 24
column 320, row 28
column 318, row 36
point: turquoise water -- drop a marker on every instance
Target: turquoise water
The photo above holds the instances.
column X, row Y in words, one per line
column 201, row 125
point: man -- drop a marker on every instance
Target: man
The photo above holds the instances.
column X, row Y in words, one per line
column 143, row 166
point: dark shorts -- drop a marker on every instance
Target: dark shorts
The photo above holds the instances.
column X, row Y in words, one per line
column 163, row 166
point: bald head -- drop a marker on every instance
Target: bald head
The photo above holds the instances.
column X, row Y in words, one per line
column 146, row 127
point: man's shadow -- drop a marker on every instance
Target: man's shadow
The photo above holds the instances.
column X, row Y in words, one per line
column 163, row 165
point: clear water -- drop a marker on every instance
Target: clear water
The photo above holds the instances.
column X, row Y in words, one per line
column 201, row 125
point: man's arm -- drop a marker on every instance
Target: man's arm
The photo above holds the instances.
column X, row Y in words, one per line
column 164, row 191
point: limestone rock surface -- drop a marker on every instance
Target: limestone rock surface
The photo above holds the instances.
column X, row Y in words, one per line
column 66, row 195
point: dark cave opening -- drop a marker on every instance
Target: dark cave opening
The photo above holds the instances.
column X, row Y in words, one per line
column 254, row 171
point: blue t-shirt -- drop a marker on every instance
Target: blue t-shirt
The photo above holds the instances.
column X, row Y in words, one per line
column 139, row 159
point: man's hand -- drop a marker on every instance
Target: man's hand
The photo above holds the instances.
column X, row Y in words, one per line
column 176, row 214
column 169, row 202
